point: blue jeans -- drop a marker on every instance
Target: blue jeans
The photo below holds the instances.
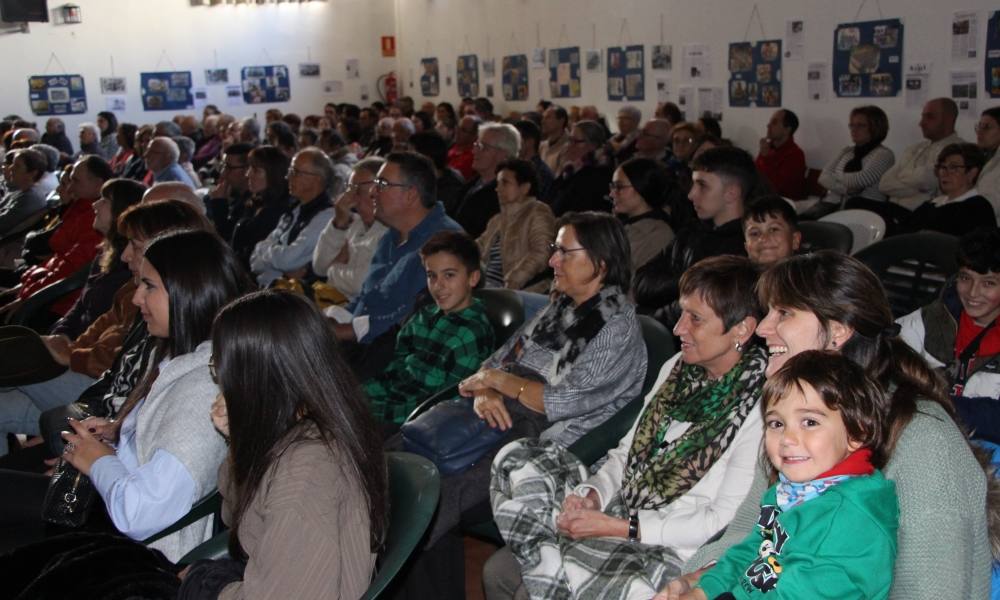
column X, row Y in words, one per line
column 21, row 406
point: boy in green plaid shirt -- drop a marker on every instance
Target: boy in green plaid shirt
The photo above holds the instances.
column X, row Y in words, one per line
column 443, row 342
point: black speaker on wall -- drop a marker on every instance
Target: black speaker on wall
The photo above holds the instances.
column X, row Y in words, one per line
column 17, row 11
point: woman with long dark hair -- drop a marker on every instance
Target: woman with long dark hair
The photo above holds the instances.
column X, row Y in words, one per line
column 305, row 480
column 166, row 455
column 267, row 180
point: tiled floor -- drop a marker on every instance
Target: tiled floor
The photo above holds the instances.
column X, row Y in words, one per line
column 476, row 553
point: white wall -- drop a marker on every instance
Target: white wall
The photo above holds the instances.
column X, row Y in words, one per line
column 136, row 32
column 440, row 27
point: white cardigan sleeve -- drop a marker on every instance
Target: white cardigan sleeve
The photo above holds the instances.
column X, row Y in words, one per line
column 708, row 506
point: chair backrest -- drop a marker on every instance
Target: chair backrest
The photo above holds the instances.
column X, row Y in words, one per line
column 813, row 188
column 912, row 267
column 503, row 309
column 208, row 505
column 414, row 487
column 599, row 440
column 866, row 226
column 49, row 294
column 826, row 235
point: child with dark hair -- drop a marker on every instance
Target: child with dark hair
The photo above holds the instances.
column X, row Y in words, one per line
column 957, row 334
column 827, row 527
column 770, row 230
column 445, row 341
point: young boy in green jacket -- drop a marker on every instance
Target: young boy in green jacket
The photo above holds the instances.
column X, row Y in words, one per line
column 443, row 342
column 827, row 528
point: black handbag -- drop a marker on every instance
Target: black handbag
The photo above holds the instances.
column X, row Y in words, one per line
column 451, row 435
column 68, row 499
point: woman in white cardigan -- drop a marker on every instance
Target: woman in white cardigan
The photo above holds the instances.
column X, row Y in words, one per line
column 988, row 140
column 857, row 169
column 160, row 455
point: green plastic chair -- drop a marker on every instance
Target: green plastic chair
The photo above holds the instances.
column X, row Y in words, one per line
column 208, row 505
column 414, row 487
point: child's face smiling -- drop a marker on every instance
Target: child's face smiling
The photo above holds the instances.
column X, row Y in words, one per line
column 449, row 281
column 803, row 437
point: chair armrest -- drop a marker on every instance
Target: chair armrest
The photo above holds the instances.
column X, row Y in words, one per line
column 215, row 548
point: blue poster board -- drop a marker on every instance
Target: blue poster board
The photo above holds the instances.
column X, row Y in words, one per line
column 166, row 90
column 626, row 73
column 265, row 84
column 468, row 76
column 755, row 73
column 993, row 55
column 564, row 72
column 514, row 74
column 868, row 59
column 430, row 78
column 57, row 94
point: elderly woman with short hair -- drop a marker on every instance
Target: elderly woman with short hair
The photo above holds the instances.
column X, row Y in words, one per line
column 674, row 480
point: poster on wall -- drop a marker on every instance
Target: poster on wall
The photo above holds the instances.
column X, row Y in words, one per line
column 265, row 84
column 216, row 76
column 514, row 76
column 663, row 57
column 112, row 85
column 430, row 78
column 993, row 55
column 57, row 94
column 467, row 72
column 309, row 70
column 626, row 75
column 755, row 73
column 868, row 58
column 564, row 72
column 166, row 90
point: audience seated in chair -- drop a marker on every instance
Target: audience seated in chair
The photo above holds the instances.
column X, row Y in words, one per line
column 497, row 142
column 23, row 199
column 770, row 230
column 638, row 186
column 444, row 342
column 267, row 183
column 779, row 159
column 960, row 208
column 581, row 182
column 988, row 140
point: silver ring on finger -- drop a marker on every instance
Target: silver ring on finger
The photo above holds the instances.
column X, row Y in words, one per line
column 70, row 447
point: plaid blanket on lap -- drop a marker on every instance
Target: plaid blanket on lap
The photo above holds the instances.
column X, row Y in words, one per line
column 529, row 481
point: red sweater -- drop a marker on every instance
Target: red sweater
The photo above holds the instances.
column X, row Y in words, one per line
column 74, row 244
column 785, row 168
column 460, row 159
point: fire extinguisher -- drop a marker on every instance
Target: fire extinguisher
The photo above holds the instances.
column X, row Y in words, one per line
column 388, row 84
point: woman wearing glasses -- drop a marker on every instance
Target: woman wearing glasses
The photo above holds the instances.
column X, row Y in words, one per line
column 346, row 245
column 560, row 375
column 988, row 140
column 638, row 189
column 960, row 208
column 857, row 169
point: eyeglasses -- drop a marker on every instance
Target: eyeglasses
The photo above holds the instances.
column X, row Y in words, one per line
column 484, row 146
column 950, row 168
column 984, row 127
column 355, row 187
column 229, row 167
column 293, row 171
column 574, row 140
column 683, row 140
column 614, row 186
column 562, row 252
column 381, row 184
column 211, row 370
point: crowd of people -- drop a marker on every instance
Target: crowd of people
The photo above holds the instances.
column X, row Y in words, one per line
column 258, row 308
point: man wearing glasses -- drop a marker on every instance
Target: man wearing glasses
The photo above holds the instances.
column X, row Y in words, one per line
column 912, row 180
column 289, row 247
column 405, row 200
column 497, row 143
column 228, row 197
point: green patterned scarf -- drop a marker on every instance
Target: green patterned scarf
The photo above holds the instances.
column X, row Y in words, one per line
column 659, row 472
